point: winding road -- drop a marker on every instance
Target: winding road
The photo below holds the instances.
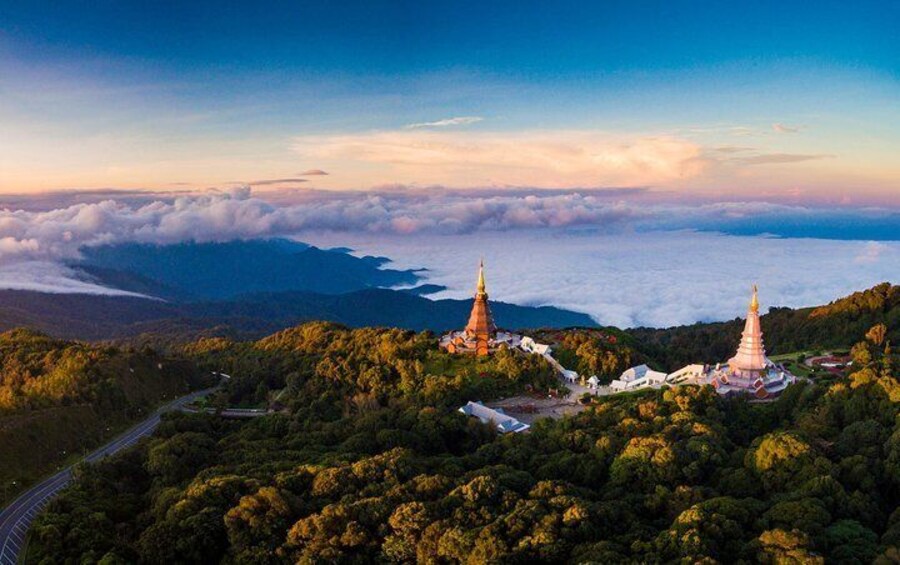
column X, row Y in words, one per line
column 16, row 518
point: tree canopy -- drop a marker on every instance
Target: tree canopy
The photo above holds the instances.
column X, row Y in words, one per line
column 370, row 461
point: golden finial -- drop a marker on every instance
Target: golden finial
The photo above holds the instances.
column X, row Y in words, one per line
column 754, row 302
column 480, row 287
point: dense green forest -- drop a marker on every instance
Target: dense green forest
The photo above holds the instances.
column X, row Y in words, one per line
column 370, row 461
column 603, row 352
column 58, row 398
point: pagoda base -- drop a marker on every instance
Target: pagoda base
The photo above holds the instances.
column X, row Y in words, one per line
column 766, row 383
column 459, row 342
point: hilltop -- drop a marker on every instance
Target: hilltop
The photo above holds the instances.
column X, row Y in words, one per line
column 370, row 460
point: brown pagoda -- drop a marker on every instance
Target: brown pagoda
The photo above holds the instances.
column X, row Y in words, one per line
column 481, row 328
column 479, row 335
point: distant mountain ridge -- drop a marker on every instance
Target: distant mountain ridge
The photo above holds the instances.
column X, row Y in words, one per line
column 97, row 317
column 245, row 289
column 218, row 271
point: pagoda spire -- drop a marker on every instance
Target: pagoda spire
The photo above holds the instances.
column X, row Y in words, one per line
column 480, row 287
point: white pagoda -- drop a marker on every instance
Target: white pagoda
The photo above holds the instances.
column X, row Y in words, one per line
column 750, row 371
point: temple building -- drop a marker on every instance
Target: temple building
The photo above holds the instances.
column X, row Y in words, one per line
column 750, row 371
column 480, row 336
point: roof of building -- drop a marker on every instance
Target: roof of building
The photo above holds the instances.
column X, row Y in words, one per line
column 504, row 422
column 641, row 372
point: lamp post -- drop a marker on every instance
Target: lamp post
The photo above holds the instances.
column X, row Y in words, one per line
column 6, row 488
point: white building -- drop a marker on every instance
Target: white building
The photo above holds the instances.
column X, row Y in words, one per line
column 570, row 376
column 503, row 422
column 691, row 374
column 529, row 345
column 634, row 378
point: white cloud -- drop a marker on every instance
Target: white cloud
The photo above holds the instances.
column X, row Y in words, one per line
column 652, row 279
column 458, row 121
column 784, row 128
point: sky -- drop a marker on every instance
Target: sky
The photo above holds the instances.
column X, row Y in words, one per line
column 783, row 101
column 640, row 161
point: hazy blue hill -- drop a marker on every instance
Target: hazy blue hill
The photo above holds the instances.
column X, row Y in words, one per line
column 132, row 282
column 247, row 289
column 424, row 289
column 215, row 271
column 382, row 307
column 92, row 317
column 78, row 316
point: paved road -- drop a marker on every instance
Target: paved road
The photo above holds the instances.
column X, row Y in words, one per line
column 16, row 518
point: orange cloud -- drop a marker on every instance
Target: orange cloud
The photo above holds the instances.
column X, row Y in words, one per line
column 558, row 158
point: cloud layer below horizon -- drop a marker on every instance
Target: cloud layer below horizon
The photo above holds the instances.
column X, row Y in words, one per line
column 623, row 256
column 655, row 279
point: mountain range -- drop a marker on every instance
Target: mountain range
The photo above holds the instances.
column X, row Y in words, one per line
column 246, row 289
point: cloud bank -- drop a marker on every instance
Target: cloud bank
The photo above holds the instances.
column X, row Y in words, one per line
column 48, row 276
column 640, row 279
column 624, row 256
column 239, row 213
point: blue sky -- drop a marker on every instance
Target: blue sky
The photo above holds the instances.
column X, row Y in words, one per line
column 534, row 40
column 724, row 99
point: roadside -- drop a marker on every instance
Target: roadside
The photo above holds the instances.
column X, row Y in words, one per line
column 16, row 518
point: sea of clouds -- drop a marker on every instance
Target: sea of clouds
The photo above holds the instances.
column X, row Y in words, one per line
column 626, row 257
column 653, row 279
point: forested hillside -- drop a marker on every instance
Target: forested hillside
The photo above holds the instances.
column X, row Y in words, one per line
column 371, row 462
column 58, row 398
